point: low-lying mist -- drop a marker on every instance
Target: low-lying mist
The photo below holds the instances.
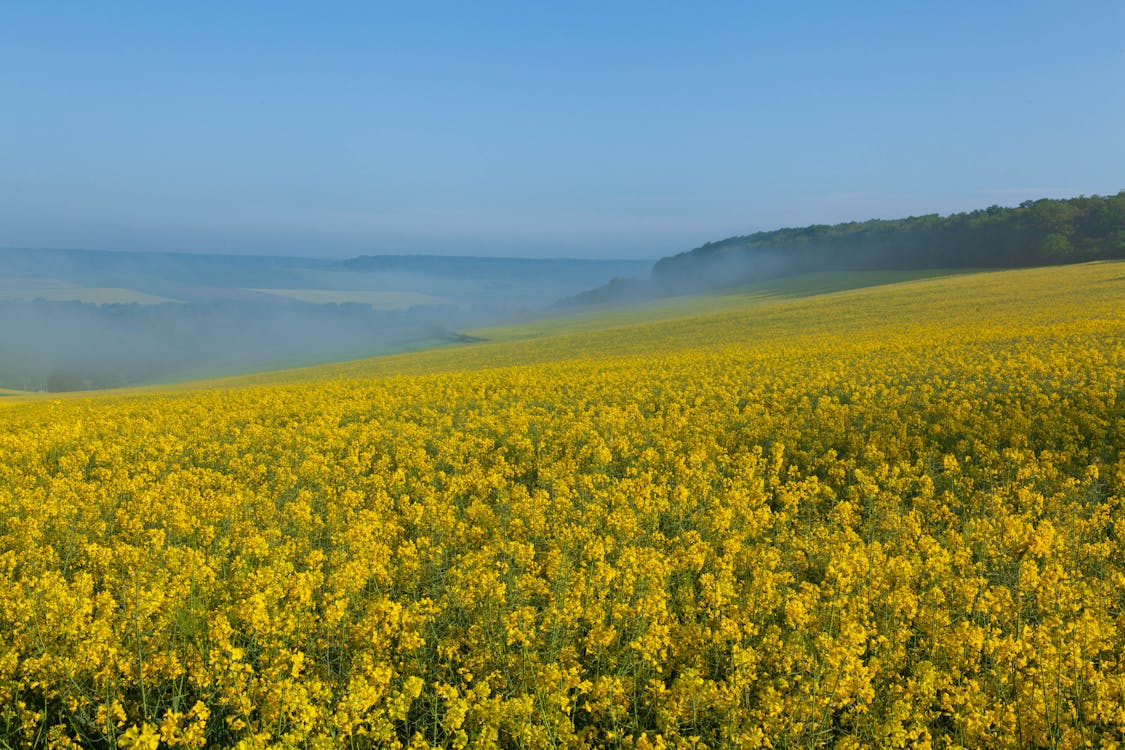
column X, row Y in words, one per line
column 63, row 325
column 64, row 346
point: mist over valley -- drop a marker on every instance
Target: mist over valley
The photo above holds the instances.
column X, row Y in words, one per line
column 79, row 319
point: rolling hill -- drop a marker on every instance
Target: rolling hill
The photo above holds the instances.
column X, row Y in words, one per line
column 889, row 513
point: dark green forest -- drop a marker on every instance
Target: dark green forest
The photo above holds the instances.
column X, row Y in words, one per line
column 1035, row 233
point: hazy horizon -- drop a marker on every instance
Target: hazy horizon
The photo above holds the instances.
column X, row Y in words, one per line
column 632, row 131
column 267, row 253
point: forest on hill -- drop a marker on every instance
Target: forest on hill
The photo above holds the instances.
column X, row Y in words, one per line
column 1035, row 233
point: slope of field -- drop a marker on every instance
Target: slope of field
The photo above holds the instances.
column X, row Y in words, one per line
column 681, row 306
column 889, row 516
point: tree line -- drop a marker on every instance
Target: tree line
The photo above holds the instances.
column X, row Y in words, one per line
column 1037, row 232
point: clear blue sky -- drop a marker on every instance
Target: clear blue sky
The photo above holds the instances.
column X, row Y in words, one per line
column 533, row 128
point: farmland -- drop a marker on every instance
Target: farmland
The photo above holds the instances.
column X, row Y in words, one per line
column 55, row 290
column 882, row 516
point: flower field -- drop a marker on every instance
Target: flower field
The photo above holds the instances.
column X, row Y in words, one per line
column 890, row 517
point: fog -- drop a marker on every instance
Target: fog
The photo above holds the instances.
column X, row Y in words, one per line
column 75, row 320
column 689, row 273
column 51, row 345
column 727, row 268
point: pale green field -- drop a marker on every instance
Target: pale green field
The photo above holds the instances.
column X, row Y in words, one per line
column 379, row 300
column 54, row 290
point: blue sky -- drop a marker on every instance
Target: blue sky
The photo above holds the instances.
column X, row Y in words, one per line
column 539, row 129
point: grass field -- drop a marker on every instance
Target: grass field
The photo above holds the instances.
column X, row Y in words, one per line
column 54, row 290
column 881, row 516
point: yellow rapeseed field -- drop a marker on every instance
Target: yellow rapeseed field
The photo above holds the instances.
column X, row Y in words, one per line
column 891, row 517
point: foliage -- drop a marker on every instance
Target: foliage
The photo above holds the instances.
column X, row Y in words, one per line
column 1037, row 232
column 888, row 517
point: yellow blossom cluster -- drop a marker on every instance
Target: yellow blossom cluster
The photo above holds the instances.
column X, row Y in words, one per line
column 891, row 517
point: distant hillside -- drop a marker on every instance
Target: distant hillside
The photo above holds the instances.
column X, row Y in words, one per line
column 1041, row 232
column 461, row 281
column 476, row 267
column 77, row 319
